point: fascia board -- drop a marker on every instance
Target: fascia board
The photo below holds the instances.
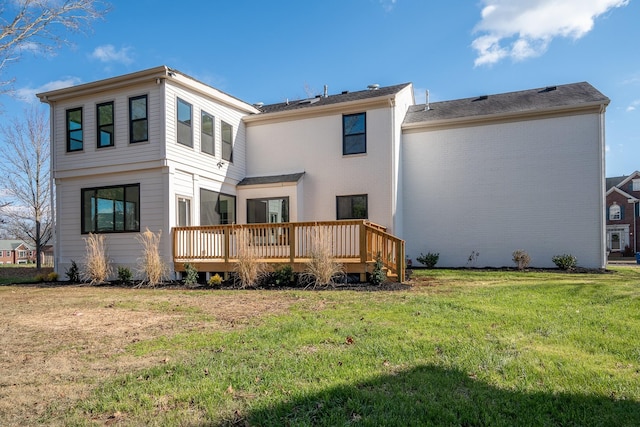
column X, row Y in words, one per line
column 304, row 113
column 589, row 108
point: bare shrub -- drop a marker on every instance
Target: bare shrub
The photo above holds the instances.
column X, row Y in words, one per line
column 151, row 265
column 248, row 267
column 97, row 267
column 521, row 259
column 322, row 266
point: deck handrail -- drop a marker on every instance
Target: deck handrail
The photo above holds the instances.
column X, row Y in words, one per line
column 351, row 241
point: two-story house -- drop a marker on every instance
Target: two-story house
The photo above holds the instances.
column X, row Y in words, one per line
column 622, row 200
column 16, row 252
column 158, row 149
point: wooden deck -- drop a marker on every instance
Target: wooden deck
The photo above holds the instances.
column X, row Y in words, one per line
column 354, row 243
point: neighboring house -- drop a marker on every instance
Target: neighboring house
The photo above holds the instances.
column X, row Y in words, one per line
column 622, row 201
column 157, row 149
column 16, row 252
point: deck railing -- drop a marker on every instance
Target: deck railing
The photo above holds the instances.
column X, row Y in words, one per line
column 356, row 242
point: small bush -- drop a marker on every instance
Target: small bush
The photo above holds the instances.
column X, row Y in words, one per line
column 521, row 259
column 429, row 260
column 73, row 273
column 52, row 277
column 151, row 265
column 40, row 277
column 378, row 275
column 191, row 275
column 283, row 275
column 97, row 264
column 124, row 274
column 215, row 280
column 565, row 261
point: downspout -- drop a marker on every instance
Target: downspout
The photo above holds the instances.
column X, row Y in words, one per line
column 603, row 222
column 394, row 168
column 54, row 199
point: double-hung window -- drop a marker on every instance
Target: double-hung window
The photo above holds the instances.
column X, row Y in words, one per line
column 185, row 118
column 138, row 119
column 354, row 133
column 615, row 212
column 104, row 113
column 216, row 208
column 207, row 129
column 352, row 207
column 111, row 209
column 74, row 130
column 227, row 141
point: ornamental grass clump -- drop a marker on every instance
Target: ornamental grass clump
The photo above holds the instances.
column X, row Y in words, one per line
column 248, row 267
column 151, row 265
column 97, row 267
column 521, row 259
column 322, row 266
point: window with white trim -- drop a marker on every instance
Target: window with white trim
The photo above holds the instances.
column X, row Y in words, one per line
column 615, row 213
column 185, row 118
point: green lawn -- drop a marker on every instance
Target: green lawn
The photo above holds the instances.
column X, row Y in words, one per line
column 459, row 348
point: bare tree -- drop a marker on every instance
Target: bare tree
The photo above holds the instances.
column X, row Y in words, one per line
column 41, row 26
column 25, row 164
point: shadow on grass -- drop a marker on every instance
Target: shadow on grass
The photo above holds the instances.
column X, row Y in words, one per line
column 429, row 395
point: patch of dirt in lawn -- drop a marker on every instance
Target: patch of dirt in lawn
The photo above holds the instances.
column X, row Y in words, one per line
column 57, row 342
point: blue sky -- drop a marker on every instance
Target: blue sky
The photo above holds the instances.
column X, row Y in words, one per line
column 268, row 51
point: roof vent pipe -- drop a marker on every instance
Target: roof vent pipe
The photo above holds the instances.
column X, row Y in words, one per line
column 326, row 91
column 427, row 107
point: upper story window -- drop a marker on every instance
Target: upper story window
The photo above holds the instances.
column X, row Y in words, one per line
column 615, row 212
column 207, row 130
column 227, row 141
column 352, row 207
column 74, row 129
column 635, row 186
column 185, row 118
column 111, row 209
column 354, row 133
column 104, row 113
column 138, row 119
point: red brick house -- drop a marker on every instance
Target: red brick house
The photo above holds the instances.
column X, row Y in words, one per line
column 16, row 252
column 622, row 201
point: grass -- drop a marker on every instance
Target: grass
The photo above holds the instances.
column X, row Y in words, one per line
column 460, row 348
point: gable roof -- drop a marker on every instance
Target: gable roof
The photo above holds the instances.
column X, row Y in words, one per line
column 343, row 97
column 509, row 104
column 614, row 181
column 619, row 191
column 12, row 245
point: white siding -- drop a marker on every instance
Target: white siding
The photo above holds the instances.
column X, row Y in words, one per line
column 192, row 159
column 123, row 248
column 533, row 185
column 314, row 146
column 123, row 152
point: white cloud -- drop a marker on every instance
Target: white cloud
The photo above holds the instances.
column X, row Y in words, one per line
column 388, row 5
column 635, row 104
column 108, row 53
column 521, row 29
column 28, row 94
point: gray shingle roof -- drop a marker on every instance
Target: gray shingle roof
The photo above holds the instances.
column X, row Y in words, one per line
column 332, row 99
column 524, row 101
column 293, row 177
column 614, row 181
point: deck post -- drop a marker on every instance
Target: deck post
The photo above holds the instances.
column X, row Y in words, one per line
column 227, row 240
column 292, row 243
column 363, row 250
